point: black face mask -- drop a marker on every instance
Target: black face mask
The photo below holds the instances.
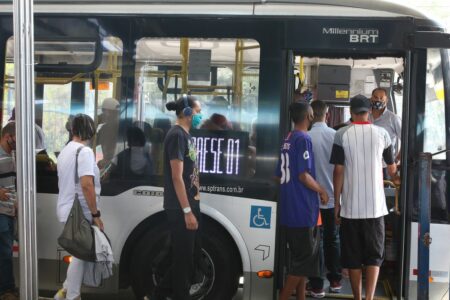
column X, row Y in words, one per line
column 12, row 144
column 378, row 105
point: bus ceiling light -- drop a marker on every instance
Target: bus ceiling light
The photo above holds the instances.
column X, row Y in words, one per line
column 265, row 274
column 67, row 259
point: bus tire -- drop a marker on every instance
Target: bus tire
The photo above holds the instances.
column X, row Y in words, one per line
column 222, row 265
column 226, row 264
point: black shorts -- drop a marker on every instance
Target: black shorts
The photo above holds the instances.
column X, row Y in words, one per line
column 362, row 242
column 304, row 251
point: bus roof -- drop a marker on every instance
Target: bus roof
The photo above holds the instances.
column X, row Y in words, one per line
column 374, row 5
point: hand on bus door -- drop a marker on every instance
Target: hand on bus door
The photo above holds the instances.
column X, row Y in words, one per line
column 99, row 223
column 191, row 221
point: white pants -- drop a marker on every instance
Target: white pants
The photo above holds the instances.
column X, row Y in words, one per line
column 74, row 278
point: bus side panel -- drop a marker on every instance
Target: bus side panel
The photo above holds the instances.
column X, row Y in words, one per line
column 439, row 261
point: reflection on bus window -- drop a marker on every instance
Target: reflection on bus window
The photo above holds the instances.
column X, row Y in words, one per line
column 434, row 131
column 223, row 74
column 57, row 104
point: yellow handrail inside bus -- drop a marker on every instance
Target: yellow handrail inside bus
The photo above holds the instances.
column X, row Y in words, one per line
column 396, row 187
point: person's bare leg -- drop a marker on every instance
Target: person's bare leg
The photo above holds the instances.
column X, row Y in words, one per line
column 371, row 281
column 301, row 289
column 290, row 285
column 356, row 282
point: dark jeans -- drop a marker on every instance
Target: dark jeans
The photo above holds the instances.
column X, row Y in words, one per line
column 330, row 250
column 6, row 253
column 186, row 249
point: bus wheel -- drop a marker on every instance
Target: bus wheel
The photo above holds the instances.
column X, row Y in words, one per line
column 217, row 278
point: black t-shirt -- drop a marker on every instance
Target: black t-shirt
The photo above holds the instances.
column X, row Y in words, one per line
column 178, row 144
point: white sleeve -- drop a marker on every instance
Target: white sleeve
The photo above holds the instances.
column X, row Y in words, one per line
column 86, row 162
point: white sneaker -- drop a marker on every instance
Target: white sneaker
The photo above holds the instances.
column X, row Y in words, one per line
column 60, row 294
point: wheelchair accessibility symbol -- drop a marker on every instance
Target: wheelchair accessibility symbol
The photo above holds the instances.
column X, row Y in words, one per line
column 260, row 216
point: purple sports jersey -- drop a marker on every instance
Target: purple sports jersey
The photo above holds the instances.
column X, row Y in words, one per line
column 299, row 205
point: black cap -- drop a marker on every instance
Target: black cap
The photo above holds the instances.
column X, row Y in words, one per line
column 359, row 103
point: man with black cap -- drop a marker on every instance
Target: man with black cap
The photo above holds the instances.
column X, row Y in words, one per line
column 360, row 202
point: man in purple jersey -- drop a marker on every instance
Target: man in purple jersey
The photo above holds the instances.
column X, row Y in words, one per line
column 299, row 208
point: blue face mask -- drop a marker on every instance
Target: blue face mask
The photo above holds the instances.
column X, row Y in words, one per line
column 196, row 120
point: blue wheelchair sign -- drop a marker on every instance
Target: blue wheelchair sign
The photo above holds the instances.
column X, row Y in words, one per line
column 260, row 216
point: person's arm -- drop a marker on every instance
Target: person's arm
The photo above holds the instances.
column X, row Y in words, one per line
column 86, row 173
column 338, row 160
column 388, row 157
column 398, row 132
column 312, row 184
column 88, row 188
column 180, row 189
column 338, row 183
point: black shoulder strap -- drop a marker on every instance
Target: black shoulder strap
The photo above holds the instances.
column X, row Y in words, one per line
column 76, row 165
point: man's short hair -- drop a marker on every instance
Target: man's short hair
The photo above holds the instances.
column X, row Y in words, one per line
column 299, row 111
column 320, row 108
column 379, row 89
column 10, row 128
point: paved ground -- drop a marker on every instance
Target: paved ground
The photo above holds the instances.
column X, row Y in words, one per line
column 128, row 294
column 123, row 295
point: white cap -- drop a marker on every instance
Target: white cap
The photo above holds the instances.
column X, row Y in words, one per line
column 110, row 104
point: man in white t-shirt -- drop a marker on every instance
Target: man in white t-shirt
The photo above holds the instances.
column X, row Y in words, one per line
column 108, row 131
column 358, row 152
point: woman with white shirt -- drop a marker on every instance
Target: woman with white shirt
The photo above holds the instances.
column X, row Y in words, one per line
column 88, row 190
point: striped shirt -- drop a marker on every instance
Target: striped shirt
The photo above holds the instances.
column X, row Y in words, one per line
column 361, row 147
column 7, row 181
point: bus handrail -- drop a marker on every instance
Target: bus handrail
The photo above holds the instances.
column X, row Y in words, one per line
column 396, row 187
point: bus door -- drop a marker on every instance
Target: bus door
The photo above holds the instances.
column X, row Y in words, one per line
column 427, row 114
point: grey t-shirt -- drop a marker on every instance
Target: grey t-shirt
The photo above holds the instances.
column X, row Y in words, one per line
column 393, row 125
column 322, row 138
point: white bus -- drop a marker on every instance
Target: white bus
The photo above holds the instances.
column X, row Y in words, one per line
column 242, row 60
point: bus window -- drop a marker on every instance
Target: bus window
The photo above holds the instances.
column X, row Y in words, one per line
column 60, row 94
column 434, row 128
column 434, row 136
column 223, row 74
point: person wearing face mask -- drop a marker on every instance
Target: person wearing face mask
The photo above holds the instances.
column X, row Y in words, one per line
column 88, row 189
column 383, row 117
column 181, row 200
column 299, row 208
column 7, row 211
